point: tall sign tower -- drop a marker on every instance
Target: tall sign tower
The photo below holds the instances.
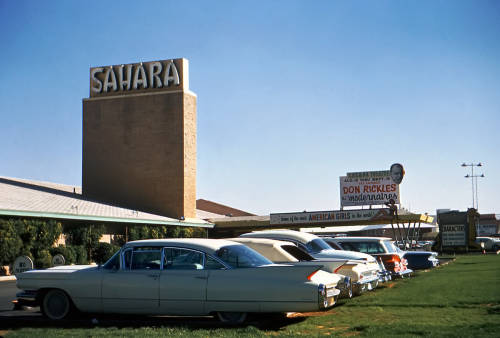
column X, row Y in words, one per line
column 139, row 138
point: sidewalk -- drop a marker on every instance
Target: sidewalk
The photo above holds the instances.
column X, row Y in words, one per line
column 7, row 278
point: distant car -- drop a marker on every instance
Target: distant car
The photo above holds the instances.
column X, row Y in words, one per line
column 365, row 267
column 180, row 277
column 380, row 247
column 490, row 243
column 418, row 260
column 282, row 252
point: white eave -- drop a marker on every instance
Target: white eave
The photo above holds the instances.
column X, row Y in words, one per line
column 28, row 198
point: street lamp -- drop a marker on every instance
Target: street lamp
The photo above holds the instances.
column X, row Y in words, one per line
column 472, row 176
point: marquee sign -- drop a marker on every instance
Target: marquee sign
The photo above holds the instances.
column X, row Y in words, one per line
column 337, row 216
column 356, row 191
column 165, row 75
column 454, row 235
column 371, row 187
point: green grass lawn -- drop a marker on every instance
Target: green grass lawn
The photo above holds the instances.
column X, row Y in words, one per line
column 461, row 299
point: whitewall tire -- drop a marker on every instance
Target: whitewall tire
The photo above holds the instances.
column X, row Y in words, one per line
column 56, row 305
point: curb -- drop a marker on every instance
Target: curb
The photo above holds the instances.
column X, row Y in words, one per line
column 7, row 278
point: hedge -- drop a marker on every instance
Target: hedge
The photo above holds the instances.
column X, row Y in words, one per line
column 35, row 239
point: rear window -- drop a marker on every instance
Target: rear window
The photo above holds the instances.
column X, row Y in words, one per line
column 299, row 254
column 317, row 245
column 365, row 247
column 391, row 248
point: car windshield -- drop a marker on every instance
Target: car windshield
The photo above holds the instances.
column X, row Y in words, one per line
column 240, row 256
column 317, row 245
column 391, row 248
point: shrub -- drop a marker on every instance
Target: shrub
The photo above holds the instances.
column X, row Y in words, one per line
column 27, row 237
column 67, row 252
column 81, row 254
column 162, row 231
column 37, row 234
column 43, row 259
column 103, row 252
column 86, row 236
column 10, row 242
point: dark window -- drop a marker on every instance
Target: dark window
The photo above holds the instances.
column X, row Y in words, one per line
column 365, row 247
column 333, row 245
column 240, row 256
column 299, row 254
column 113, row 263
column 142, row 258
column 182, row 259
column 317, row 245
column 127, row 259
column 213, row 264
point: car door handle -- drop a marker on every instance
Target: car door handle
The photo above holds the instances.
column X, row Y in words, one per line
column 201, row 277
column 154, row 276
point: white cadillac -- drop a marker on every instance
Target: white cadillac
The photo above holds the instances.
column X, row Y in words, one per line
column 179, row 277
column 283, row 252
column 363, row 269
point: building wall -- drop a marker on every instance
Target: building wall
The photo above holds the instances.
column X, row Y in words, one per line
column 139, row 151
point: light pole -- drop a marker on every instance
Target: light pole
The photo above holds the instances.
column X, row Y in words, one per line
column 472, row 176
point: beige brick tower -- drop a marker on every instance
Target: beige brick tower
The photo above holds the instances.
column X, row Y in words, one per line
column 139, row 138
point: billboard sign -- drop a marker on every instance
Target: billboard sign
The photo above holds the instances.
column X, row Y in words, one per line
column 330, row 217
column 454, row 235
column 367, row 189
column 486, row 229
column 457, row 228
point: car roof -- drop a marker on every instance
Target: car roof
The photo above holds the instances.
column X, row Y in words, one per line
column 303, row 237
column 360, row 238
column 202, row 244
column 263, row 241
column 269, row 248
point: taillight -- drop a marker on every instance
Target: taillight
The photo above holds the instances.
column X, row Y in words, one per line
column 396, row 260
column 312, row 274
column 337, row 269
column 404, row 263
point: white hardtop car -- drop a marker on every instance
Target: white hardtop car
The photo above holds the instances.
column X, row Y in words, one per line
column 180, row 277
column 283, row 252
column 310, row 243
column 367, row 269
column 490, row 243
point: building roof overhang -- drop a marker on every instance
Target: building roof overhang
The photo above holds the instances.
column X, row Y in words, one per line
column 35, row 199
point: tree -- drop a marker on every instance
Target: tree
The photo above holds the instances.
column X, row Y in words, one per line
column 87, row 236
column 10, row 242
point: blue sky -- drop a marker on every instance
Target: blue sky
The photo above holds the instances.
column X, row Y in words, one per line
column 291, row 94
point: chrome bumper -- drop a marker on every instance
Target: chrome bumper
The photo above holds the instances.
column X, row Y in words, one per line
column 402, row 274
column 327, row 296
column 26, row 298
column 384, row 276
column 366, row 284
column 344, row 284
